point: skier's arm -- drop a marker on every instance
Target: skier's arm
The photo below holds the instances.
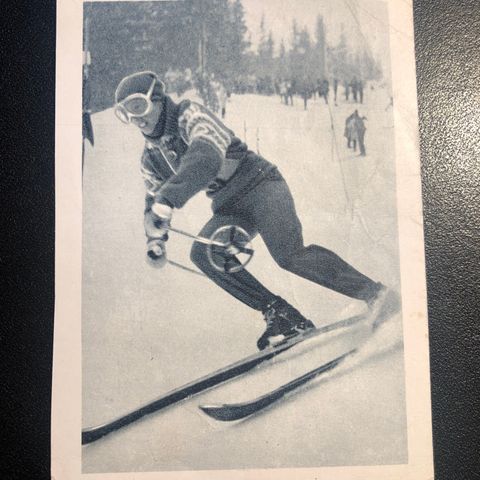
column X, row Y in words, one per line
column 153, row 181
column 155, row 231
column 207, row 140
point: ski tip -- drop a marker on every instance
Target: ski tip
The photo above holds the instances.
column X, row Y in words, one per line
column 218, row 412
column 89, row 437
column 93, row 434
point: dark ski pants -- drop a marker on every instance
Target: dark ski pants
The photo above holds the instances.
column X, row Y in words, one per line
column 269, row 210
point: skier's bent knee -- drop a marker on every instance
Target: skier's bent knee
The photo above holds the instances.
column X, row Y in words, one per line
column 198, row 256
column 284, row 261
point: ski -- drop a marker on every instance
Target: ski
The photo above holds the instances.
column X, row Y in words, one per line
column 236, row 411
column 217, row 377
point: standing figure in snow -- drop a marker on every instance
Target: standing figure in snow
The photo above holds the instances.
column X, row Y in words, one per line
column 360, row 132
column 305, row 90
column 212, row 99
column 221, row 95
column 187, row 150
column 283, row 92
column 351, row 132
column 354, row 85
column 324, row 89
column 291, row 85
column 346, row 87
column 355, row 132
column 335, row 89
column 360, row 90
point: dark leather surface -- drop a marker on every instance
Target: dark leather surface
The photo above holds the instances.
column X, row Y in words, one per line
column 27, row 236
column 447, row 36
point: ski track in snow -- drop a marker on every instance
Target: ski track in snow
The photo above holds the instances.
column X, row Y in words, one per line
column 147, row 331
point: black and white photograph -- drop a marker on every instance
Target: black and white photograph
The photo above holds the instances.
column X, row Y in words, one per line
column 241, row 242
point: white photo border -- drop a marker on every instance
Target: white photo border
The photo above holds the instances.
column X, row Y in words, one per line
column 66, row 394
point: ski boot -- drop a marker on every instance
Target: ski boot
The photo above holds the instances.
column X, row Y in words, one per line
column 282, row 320
column 383, row 306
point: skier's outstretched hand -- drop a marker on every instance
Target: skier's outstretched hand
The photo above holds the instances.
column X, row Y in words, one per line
column 156, row 252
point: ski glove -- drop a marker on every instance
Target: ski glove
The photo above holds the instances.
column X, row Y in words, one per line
column 156, row 253
column 157, row 221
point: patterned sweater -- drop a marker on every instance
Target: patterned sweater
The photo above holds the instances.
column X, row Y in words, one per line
column 192, row 150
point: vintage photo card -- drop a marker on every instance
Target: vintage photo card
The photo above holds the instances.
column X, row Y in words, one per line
column 240, row 280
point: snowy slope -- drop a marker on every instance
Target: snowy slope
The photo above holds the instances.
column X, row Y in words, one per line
column 147, row 331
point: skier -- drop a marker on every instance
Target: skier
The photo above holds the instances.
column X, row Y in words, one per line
column 188, row 149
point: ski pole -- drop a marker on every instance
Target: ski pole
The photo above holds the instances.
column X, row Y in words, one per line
column 230, row 248
column 206, row 241
column 183, row 267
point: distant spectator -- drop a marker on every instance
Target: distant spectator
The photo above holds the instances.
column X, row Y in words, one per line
column 305, row 91
column 221, row 94
column 324, row 89
column 360, row 90
column 212, row 97
column 360, row 128
column 335, row 89
column 390, row 104
column 201, row 86
column 350, row 133
column 291, row 86
column 354, row 86
column 355, row 131
column 276, row 86
column 283, row 91
column 346, row 86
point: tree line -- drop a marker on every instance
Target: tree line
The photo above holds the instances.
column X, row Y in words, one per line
column 207, row 37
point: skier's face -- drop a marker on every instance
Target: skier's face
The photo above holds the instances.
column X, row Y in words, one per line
column 147, row 123
column 139, row 108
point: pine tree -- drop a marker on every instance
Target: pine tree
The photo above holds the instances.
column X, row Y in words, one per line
column 282, row 62
column 295, row 36
column 338, row 59
column 320, row 47
column 238, row 41
column 160, row 35
column 265, row 51
column 300, row 55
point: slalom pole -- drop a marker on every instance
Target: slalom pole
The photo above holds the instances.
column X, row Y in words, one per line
column 334, row 136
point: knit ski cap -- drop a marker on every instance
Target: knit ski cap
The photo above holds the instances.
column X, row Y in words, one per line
column 139, row 82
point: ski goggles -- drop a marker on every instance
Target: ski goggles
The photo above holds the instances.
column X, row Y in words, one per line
column 136, row 105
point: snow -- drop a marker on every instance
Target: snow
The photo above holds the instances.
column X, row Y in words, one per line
column 146, row 331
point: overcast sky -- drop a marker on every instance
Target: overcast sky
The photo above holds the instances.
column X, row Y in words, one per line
column 364, row 21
